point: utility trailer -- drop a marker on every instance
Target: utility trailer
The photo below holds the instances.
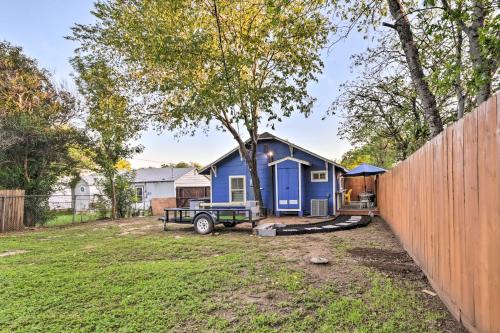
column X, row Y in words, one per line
column 204, row 220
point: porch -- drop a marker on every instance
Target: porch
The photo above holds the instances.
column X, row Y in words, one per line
column 358, row 196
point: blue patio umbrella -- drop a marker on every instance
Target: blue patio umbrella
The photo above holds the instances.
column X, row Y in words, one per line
column 364, row 170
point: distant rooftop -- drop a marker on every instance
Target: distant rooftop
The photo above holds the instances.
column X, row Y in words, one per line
column 146, row 175
column 160, row 174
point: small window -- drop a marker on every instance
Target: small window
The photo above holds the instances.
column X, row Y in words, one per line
column 237, row 188
column 139, row 192
column 82, row 189
column 319, row 176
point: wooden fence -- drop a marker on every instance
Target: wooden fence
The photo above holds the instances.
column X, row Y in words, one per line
column 443, row 203
column 357, row 184
column 11, row 210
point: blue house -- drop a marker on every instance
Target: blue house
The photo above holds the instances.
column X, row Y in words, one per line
column 293, row 179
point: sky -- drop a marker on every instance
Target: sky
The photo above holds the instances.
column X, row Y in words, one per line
column 39, row 27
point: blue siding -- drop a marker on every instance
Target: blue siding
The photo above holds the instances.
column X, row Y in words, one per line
column 233, row 165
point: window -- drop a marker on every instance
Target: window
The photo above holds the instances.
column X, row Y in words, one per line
column 319, row 176
column 139, row 193
column 82, row 189
column 237, row 189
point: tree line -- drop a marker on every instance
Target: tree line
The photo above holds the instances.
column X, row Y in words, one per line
column 432, row 62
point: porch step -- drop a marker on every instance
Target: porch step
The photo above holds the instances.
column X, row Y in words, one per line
column 363, row 212
column 267, row 229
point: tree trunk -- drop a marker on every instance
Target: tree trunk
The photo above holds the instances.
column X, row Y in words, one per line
column 480, row 64
column 252, row 168
column 459, row 91
column 483, row 68
column 403, row 28
column 113, row 199
column 250, row 157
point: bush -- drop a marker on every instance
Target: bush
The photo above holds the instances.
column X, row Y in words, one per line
column 125, row 194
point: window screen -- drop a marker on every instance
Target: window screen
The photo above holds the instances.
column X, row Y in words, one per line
column 237, row 189
column 139, row 194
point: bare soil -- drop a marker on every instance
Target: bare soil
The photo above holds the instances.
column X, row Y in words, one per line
column 12, row 253
column 389, row 262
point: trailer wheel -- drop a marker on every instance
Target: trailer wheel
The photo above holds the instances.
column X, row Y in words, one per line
column 229, row 224
column 203, row 224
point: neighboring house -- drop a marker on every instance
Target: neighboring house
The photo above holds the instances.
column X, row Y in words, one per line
column 60, row 199
column 293, row 179
column 171, row 185
column 86, row 189
column 168, row 187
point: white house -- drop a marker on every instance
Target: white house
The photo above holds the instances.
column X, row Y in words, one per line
column 85, row 192
column 172, row 185
column 166, row 183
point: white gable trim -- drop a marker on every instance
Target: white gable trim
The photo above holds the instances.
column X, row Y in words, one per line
column 289, row 158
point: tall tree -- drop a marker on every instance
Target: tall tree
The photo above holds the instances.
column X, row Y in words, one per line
column 36, row 131
column 238, row 63
column 482, row 27
column 384, row 111
column 443, row 56
column 403, row 27
column 112, row 122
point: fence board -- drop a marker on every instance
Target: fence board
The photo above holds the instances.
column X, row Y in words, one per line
column 11, row 210
column 443, row 204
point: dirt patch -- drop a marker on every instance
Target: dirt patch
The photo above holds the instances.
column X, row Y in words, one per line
column 136, row 229
column 378, row 254
column 388, row 262
column 12, row 253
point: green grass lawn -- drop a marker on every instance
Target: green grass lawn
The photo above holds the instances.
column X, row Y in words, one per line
column 63, row 218
column 132, row 277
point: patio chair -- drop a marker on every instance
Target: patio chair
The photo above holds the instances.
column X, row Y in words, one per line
column 347, row 196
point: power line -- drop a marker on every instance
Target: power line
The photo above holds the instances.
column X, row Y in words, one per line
column 141, row 159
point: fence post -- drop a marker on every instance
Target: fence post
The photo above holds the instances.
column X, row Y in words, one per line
column 3, row 214
column 73, row 204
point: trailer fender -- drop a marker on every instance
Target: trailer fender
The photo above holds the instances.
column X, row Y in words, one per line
column 212, row 215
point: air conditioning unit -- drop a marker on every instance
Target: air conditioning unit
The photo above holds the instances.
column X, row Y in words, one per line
column 319, row 207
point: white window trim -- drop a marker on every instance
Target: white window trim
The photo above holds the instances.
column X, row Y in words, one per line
column 319, row 180
column 142, row 197
column 244, row 188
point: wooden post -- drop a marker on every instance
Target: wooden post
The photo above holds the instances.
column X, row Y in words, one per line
column 3, row 214
column 73, row 199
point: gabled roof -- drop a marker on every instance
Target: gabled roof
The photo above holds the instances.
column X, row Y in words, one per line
column 145, row 175
column 160, row 174
column 289, row 158
column 269, row 136
column 91, row 178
